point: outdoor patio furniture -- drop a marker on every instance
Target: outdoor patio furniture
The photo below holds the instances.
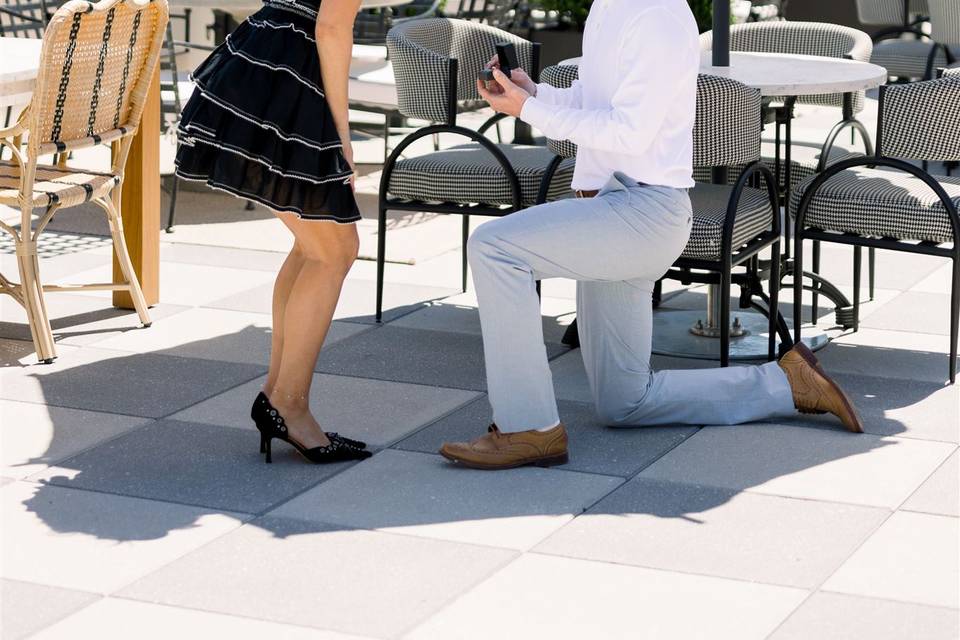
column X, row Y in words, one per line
column 885, row 202
column 109, row 49
column 919, row 58
column 437, row 62
column 21, row 19
column 732, row 224
column 895, row 16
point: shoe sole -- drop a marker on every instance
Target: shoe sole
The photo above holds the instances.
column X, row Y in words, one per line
column 857, row 424
column 547, row 461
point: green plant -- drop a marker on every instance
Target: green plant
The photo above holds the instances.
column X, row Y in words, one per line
column 703, row 12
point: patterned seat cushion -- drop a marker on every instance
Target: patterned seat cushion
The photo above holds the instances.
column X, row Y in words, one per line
column 710, row 212
column 804, row 161
column 54, row 185
column 469, row 174
column 882, row 203
column 907, row 58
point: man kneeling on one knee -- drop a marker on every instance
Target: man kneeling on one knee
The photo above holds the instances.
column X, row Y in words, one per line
column 631, row 114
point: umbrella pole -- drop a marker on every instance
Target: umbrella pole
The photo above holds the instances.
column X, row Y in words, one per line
column 721, row 33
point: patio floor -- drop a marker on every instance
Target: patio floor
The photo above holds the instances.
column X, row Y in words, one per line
column 133, row 493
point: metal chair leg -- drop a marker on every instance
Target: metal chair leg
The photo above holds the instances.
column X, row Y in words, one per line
column 871, row 270
column 857, row 262
column 381, row 258
column 773, row 306
column 725, row 277
column 815, row 304
column 174, row 190
column 466, row 237
column 954, row 318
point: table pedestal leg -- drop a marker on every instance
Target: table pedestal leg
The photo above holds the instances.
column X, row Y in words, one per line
column 140, row 204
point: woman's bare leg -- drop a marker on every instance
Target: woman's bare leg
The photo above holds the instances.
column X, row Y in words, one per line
column 281, row 293
column 329, row 250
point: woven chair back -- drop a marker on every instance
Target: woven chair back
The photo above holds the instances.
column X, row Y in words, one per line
column 561, row 76
column 727, row 128
column 921, row 121
column 422, row 52
column 95, row 69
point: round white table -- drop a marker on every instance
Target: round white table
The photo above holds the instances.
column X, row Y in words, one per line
column 774, row 75
column 21, row 57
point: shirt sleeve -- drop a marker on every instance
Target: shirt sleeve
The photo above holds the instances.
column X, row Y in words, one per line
column 639, row 105
column 571, row 97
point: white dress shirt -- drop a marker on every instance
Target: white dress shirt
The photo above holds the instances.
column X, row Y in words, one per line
column 633, row 108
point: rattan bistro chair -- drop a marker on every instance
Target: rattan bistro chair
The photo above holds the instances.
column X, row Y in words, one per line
column 96, row 65
column 918, row 58
column 732, row 224
column 436, row 62
column 885, row 202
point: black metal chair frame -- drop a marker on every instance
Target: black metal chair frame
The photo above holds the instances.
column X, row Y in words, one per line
column 859, row 241
column 688, row 270
column 387, row 203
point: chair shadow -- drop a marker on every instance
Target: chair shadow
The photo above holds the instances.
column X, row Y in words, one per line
column 86, row 381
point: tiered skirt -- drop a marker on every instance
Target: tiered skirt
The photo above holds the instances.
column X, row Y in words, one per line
column 258, row 126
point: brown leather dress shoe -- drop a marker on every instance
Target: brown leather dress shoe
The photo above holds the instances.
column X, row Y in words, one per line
column 498, row 450
column 814, row 391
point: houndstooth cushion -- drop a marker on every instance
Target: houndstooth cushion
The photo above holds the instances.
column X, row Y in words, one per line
column 561, row 76
column 421, row 51
column 881, row 203
column 727, row 127
column 55, row 185
column 945, row 21
column 921, row 121
column 801, row 38
column 907, row 59
column 952, row 70
column 710, row 201
column 469, row 174
column 884, row 12
column 804, row 162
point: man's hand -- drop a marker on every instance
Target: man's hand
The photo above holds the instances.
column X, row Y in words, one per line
column 506, row 97
column 518, row 76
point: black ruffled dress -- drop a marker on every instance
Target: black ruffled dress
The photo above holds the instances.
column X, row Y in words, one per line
column 257, row 125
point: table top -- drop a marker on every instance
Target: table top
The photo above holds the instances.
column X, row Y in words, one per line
column 19, row 70
column 253, row 5
column 780, row 74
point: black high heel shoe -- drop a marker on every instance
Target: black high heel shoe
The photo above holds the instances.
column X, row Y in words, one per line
column 261, row 411
column 271, row 425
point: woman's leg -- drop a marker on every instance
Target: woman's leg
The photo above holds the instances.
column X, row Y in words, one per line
column 328, row 250
column 281, row 293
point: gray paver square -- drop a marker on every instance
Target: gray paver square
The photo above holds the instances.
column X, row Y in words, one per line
column 112, row 619
column 215, row 334
column 913, row 311
column 833, row 616
column 80, row 320
column 437, row 358
column 97, row 542
column 888, row 354
column 228, row 257
column 913, row 557
column 459, row 314
column 33, row 436
column 196, row 464
column 379, row 412
column 424, row 495
column 803, row 462
column 594, row 447
column 357, row 300
column 941, row 492
column 541, row 596
column 149, row 384
column 692, row 529
column 15, row 353
column 301, row 573
column 26, row 607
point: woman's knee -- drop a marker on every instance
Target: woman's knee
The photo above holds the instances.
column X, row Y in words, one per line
column 330, row 243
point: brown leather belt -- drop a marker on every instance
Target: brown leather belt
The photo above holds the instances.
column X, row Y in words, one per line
column 587, row 194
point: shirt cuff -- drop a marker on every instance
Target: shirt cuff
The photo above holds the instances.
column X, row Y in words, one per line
column 536, row 113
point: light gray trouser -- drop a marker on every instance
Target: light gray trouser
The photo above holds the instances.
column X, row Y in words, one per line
column 616, row 246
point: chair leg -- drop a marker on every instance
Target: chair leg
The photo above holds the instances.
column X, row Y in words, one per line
column 466, row 237
column 773, row 306
column 381, row 258
column 797, row 285
column 954, row 318
column 174, row 190
column 657, row 293
column 871, row 271
column 725, row 316
column 815, row 303
column 126, row 265
column 33, row 303
column 857, row 263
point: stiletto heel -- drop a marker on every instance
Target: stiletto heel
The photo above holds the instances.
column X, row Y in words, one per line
column 272, row 425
